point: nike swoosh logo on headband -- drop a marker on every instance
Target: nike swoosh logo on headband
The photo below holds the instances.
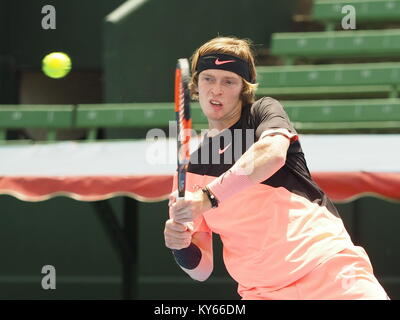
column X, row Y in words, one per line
column 217, row 62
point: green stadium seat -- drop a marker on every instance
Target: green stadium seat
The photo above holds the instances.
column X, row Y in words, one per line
column 138, row 115
column 123, row 114
column 336, row 44
column 321, row 116
column 315, row 116
column 50, row 117
column 308, row 116
column 333, row 79
column 330, row 11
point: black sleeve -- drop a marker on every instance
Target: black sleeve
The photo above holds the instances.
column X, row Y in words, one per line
column 189, row 257
column 268, row 114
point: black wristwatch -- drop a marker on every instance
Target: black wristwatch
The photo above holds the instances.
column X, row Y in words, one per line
column 214, row 201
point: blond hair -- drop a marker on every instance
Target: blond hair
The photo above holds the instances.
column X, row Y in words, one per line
column 233, row 46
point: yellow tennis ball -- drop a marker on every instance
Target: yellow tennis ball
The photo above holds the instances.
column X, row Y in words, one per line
column 56, row 65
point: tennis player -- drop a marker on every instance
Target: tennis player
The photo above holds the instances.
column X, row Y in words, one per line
column 248, row 181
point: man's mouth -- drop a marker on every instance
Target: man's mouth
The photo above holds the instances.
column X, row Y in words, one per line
column 215, row 103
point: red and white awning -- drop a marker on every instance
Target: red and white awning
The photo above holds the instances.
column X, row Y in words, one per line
column 345, row 166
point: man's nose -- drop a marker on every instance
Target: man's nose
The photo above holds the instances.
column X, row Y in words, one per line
column 216, row 89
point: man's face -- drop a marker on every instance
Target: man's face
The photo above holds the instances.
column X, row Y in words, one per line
column 219, row 95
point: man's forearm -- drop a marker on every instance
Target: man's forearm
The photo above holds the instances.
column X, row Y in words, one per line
column 262, row 159
column 257, row 164
column 196, row 260
column 188, row 258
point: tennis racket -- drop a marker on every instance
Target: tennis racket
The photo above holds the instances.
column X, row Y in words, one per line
column 184, row 122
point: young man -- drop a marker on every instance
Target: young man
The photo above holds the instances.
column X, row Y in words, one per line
column 248, row 182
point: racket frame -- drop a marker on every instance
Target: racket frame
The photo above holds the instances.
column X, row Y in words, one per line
column 184, row 122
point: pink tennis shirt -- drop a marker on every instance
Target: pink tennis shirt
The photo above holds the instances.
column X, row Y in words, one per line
column 276, row 232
